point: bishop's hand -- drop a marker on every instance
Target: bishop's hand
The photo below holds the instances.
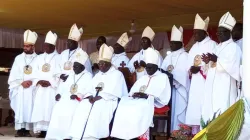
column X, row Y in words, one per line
column 205, row 58
column 143, row 95
column 142, row 64
column 213, row 58
column 73, row 97
column 91, row 99
column 40, row 82
column 136, row 65
column 140, row 95
column 97, row 98
column 95, row 66
column 26, row 84
column 63, row 77
column 194, row 69
column 46, row 84
column 58, row 97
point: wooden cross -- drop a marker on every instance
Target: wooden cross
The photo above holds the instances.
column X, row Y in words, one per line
column 123, row 64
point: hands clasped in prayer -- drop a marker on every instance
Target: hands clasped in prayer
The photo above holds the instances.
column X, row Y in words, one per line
column 26, row 84
column 94, row 99
column 95, row 66
column 58, row 97
column 64, row 77
column 44, row 83
column 138, row 65
column 194, row 69
column 140, row 95
column 209, row 57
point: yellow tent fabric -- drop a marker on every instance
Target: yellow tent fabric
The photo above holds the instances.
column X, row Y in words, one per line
column 226, row 127
column 112, row 17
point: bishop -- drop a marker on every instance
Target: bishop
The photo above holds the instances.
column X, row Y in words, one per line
column 21, row 82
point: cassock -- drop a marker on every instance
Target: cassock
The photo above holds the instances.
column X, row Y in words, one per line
column 196, row 91
column 240, row 91
column 64, row 109
column 23, row 69
column 178, row 59
column 239, row 43
column 138, row 57
column 134, row 116
column 103, row 109
column 44, row 97
column 120, row 59
column 21, row 99
column 220, row 87
column 68, row 56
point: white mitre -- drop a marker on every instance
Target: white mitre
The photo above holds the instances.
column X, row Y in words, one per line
column 177, row 34
column 123, row 40
column 151, row 56
column 81, row 56
column 75, row 33
column 105, row 53
column 149, row 33
column 51, row 38
column 201, row 24
column 227, row 21
column 29, row 37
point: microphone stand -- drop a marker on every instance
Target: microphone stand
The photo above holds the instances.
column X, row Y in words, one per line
column 98, row 89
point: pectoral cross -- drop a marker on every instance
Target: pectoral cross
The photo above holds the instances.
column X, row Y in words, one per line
column 123, row 64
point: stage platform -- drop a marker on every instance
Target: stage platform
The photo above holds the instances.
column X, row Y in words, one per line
column 9, row 133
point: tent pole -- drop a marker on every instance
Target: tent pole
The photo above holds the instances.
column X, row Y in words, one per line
column 246, row 50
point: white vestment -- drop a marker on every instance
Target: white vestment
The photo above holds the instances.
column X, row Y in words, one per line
column 134, row 116
column 64, row 109
column 196, row 91
column 117, row 60
column 44, row 97
column 220, row 90
column 103, row 109
column 71, row 56
column 21, row 99
column 178, row 59
column 239, row 43
column 138, row 57
column 240, row 91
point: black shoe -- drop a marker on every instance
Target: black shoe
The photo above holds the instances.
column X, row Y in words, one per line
column 19, row 133
column 27, row 133
column 42, row 134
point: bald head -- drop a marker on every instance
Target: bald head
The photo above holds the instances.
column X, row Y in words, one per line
column 237, row 31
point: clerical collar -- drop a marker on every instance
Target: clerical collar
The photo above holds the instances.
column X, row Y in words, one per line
column 29, row 55
column 70, row 51
column 142, row 50
column 111, row 69
column 155, row 74
column 51, row 53
column 204, row 40
column 118, row 55
column 227, row 42
column 240, row 40
column 84, row 71
column 174, row 53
